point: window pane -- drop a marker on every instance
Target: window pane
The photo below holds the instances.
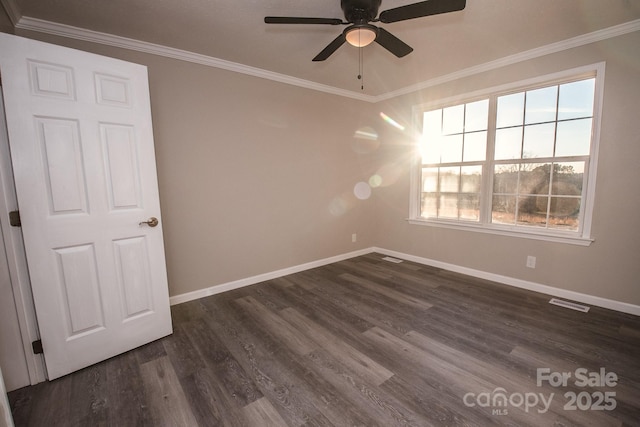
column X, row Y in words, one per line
column 430, row 150
column 505, row 179
column 508, row 143
column 532, row 210
column 475, row 146
column 576, row 99
column 534, row 178
column 564, row 213
column 449, row 179
column 567, row 179
column 448, row 206
column 574, row 138
column 432, row 123
column 541, row 105
column 476, row 116
column 451, row 149
column 470, row 179
column 538, row 141
column 452, row 119
column 510, row 110
column 430, row 180
column 469, row 205
column 429, row 206
column 503, row 210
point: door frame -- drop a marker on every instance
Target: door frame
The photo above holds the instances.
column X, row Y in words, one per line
column 17, row 259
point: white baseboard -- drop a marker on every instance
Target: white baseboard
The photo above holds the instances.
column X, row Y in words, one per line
column 505, row 280
column 236, row 284
column 518, row 283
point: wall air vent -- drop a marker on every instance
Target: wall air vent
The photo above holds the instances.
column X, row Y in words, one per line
column 568, row 304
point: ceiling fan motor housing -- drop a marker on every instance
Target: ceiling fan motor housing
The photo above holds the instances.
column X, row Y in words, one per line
column 360, row 11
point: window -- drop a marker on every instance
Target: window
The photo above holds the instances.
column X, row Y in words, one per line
column 453, row 154
column 516, row 160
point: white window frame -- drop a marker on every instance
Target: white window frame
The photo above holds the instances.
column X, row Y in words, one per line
column 581, row 237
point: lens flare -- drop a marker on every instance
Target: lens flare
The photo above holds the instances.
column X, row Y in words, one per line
column 365, row 140
column 366, row 132
column 375, row 181
column 338, row 206
column 390, row 121
column 362, row 190
column 389, row 174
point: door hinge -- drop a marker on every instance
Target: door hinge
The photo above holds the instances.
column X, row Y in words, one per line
column 37, row 347
column 14, row 219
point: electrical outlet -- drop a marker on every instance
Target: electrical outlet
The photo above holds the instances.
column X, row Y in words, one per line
column 354, row 238
column 531, row 261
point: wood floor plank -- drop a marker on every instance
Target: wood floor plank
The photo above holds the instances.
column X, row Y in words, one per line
column 167, row 403
column 317, row 306
column 385, row 408
column 624, row 389
column 89, row 397
column 371, row 309
column 360, row 342
column 126, row 398
column 355, row 360
column 148, row 352
column 383, row 290
column 210, row 402
column 223, row 366
column 388, row 274
column 408, row 353
column 511, row 380
column 45, row 404
column 461, row 381
column 436, row 407
column 287, row 333
column 262, row 413
column 303, row 397
column 182, row 352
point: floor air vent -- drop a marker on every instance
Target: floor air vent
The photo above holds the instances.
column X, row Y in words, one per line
column 567, row 304
column 390, row 259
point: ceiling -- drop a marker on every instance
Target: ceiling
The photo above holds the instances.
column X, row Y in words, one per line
column 232, row 30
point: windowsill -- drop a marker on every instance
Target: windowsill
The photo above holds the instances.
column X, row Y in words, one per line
column 505, row 231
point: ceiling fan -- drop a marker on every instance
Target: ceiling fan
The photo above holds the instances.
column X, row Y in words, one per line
column 360, row 13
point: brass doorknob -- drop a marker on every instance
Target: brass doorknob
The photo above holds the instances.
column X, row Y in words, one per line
column 152, row 222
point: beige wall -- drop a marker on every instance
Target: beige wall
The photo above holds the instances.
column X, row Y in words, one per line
column 610, row 267
column 256, row 176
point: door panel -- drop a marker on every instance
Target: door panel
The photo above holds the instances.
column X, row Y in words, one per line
column 134, row 276
column 63, row 163
column 84, row 163
column 79, row 287
column 122, row 166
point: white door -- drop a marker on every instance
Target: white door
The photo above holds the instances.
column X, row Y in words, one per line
column 82, row 151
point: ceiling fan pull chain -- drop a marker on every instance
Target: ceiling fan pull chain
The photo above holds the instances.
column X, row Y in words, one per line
column 361, row 67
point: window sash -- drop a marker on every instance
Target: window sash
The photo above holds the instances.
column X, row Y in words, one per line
column 488, row 166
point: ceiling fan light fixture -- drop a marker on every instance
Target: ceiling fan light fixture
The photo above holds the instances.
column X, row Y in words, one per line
column 361, row 35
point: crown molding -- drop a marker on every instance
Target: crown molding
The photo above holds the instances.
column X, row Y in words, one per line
column 596, row 36
column 42, row 26
column 13, row 12
column 56, row 29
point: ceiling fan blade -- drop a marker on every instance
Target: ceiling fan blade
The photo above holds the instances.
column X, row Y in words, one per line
column 392, row 43
column 332, row 47
column 418, row 10
column 294, row 20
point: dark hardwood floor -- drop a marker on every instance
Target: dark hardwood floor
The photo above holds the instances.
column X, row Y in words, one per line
column 362, row 342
